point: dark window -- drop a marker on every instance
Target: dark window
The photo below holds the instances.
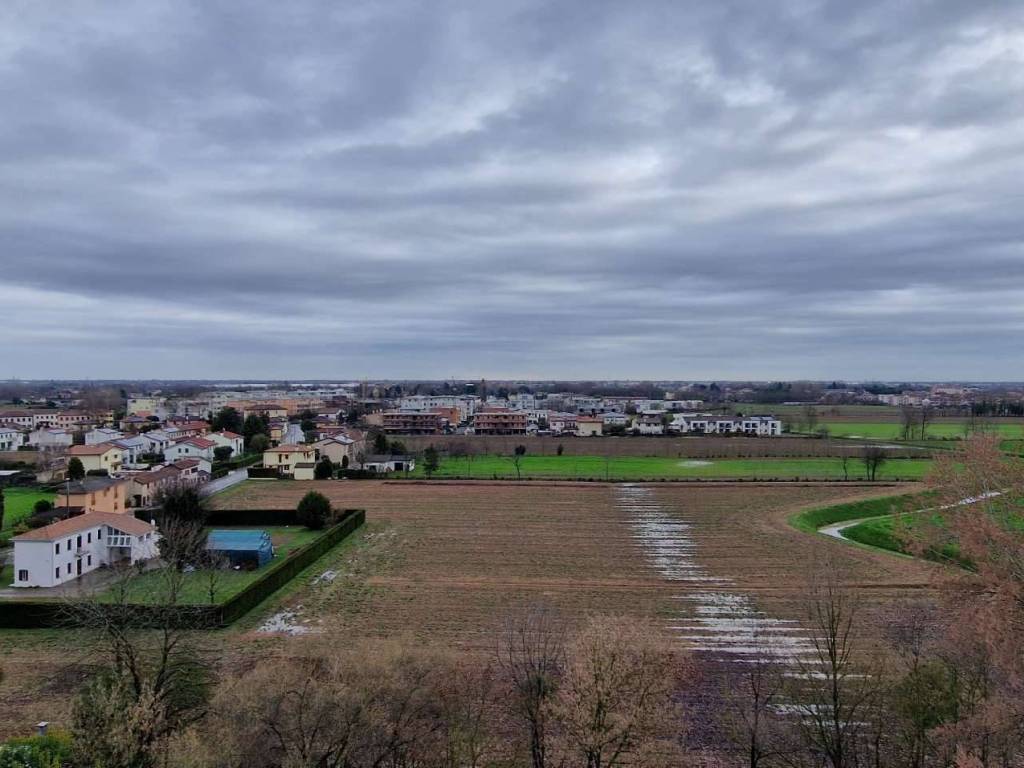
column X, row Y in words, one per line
column 89, row 560
column 69, row 545
column 22, row 575
column 56, row 573
column 56, row 550
column 99, row 534
column 69, row 567
column 79, row 542
column 88, row 538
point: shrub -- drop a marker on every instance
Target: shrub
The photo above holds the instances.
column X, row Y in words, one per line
column 76, row 470
column 50, row 751
column 222, row 452
column 41, row 506
column 313, row 511
column 324, row 469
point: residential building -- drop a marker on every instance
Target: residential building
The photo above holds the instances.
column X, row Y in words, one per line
column 132, row 448
column 589, row 426
column 102, row 435
column 17, row 416
column 615, row 419
column 190, row 448
column 61, row 552
column 51, row 438
column 145, row 487
column 11, row 438
column 762, row 426
column 385, row 464
column 193, row 471
column 499, row 421
column 650, row 423
column 95, row 494
column 337, row 448
column 284, row 457
column 226, row 439
column 413, row 423
column 95, row 458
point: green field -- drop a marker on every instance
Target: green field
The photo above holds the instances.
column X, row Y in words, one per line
column 18, row 504
column 658, row 468
column 889, row 430
column 149, row 586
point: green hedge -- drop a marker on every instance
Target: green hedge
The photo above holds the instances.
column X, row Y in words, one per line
column 280, row 574
column 37, row 614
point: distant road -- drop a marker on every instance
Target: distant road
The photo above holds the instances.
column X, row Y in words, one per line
column 234, row 477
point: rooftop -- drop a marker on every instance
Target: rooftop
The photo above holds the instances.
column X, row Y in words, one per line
column 126, row 523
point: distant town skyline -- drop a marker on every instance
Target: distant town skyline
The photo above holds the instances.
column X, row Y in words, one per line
column 519, row 190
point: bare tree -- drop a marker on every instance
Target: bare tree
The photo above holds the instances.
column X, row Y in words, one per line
column 834, row 696
column 532, row 657
column 752, row 722
column 873, row 457
column 844, row 461
column 614, row 706
column 155, row 680
column 810, row 418
column 517, row 460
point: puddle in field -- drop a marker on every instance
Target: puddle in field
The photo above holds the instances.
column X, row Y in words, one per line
column 714, row 620
column 284, row 623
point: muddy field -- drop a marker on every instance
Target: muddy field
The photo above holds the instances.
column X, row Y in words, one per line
column 441, row 563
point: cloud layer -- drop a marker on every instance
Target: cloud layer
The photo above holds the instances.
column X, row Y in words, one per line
column 522, row 189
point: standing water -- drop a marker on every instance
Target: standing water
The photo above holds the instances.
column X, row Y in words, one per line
column 711, row 618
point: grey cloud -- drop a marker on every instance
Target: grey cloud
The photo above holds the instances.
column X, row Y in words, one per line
column 581, row 189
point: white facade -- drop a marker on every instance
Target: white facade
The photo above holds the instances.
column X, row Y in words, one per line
column 189, row 449
column 63, row 551
column 465, row 404
column 102, row 435
column 132, row 449
column 228, row 440
column 51, row 438
column 10, row 439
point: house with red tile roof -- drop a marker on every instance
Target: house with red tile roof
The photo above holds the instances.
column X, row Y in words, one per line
column 63, row 551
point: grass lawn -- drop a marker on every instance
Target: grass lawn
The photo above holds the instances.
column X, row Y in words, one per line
column 18, row 504
column 882, row 430
column 148, row 587
column 652, row 468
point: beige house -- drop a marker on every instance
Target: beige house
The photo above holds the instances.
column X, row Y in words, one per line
column 102, row 456
column 589, row 426
column 95, row 494
column 284, row 458
column 336, row 448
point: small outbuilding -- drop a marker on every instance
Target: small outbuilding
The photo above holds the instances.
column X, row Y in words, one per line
column 247, row 548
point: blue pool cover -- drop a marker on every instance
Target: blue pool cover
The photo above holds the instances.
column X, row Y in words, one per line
column 239, row 546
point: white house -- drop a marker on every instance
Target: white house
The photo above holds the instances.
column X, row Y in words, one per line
column 61, row 552
column 51, row 438
column 384, row 464
column 190, row 448
column 650, row 423
column 10, row 438
column 132, row 448
column 763, row 426
column 226, row 439
column 102, row 435
column 157, row 439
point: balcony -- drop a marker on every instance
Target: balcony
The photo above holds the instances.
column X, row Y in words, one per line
column 119, row 540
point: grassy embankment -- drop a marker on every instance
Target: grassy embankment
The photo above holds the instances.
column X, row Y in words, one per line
column 658, row 468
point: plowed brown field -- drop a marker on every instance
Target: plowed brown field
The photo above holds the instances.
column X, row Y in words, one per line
column 444, row 562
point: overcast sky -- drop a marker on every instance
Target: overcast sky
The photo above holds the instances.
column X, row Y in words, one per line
column 512, row 189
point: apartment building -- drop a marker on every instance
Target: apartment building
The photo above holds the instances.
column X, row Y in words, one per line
column 500, row 421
